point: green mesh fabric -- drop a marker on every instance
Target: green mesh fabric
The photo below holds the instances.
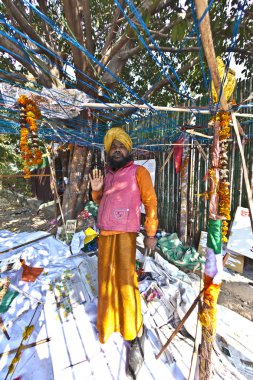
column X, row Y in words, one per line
column 214, row 235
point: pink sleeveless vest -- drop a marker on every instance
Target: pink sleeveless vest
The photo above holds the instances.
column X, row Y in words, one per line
column 120, row 206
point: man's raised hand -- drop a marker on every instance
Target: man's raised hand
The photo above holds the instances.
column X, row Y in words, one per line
column 96, row 180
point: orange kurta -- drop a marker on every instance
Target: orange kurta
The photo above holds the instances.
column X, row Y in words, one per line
column 119, row 305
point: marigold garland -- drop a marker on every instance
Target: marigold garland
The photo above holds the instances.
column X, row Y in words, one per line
column 4, row 284
column 223, row 189
column 26, row 334
column 30, row 152
column 208, row 313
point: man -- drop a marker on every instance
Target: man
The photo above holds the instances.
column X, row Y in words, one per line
column 120, row 195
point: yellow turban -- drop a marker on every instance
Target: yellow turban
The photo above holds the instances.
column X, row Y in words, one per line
column 117, row 134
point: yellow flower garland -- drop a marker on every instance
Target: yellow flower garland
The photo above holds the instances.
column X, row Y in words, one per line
column 29, row 113
column 223, row 189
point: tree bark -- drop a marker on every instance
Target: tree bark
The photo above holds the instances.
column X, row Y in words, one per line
column 77, row 182
column 207, row 43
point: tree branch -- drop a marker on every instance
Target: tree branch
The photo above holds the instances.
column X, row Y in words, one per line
column 147, row 6
column 172, row 50
column 129, row 53
column 14, row 13
column 11, row 48
column 13, row 77
column 114, row 27
column 158, row 86
column 73, row 17
column 43, row 8
column 85, row 5
column 20, row 55
column 243, row 51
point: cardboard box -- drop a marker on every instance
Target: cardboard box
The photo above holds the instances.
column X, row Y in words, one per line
column 202, row 243
column 235, row 262
column 240, row 240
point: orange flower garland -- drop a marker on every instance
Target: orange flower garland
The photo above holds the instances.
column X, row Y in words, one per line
column 30, row 152
column 223, row 190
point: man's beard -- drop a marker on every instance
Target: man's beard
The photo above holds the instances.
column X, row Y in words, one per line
column 117, row 164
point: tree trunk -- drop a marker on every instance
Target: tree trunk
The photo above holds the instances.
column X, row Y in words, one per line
column 76, row 189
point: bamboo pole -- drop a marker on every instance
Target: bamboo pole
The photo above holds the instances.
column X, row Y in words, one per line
column 167, row 159
column 163, row 108
column 245, row 170
column 14, row 350
column 144, row 107
column 197, row 339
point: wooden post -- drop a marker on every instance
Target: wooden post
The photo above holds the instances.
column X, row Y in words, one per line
column 206, row 348
column 207, row 43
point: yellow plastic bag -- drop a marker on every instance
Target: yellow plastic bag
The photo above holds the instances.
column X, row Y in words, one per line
column 90, row 234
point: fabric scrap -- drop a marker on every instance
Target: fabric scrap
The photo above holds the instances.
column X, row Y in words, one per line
column 30, row 274
column 214, row 235
column 7, row 300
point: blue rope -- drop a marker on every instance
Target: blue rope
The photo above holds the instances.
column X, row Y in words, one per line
column 50, row 74
column 67, row 83
column 88, row 54
column 138, row 16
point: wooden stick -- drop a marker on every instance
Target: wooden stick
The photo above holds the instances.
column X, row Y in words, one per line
column 167, row 159
column 3, row 328
column 15, row 360
column 245, row 170
column 144, row 106
column 22, row 175
column 197, row 338
column 7, row 353
column 161, row 108
column 188, row 313
column 55, row 189
column 200, row 149
column 24, row 244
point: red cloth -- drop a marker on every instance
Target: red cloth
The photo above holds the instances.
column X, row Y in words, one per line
column 30, row 274
column 178, row 153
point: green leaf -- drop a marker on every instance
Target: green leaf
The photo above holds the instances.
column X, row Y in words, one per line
column 178, row 31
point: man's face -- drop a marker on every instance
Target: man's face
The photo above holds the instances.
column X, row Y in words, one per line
column 118, row 155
